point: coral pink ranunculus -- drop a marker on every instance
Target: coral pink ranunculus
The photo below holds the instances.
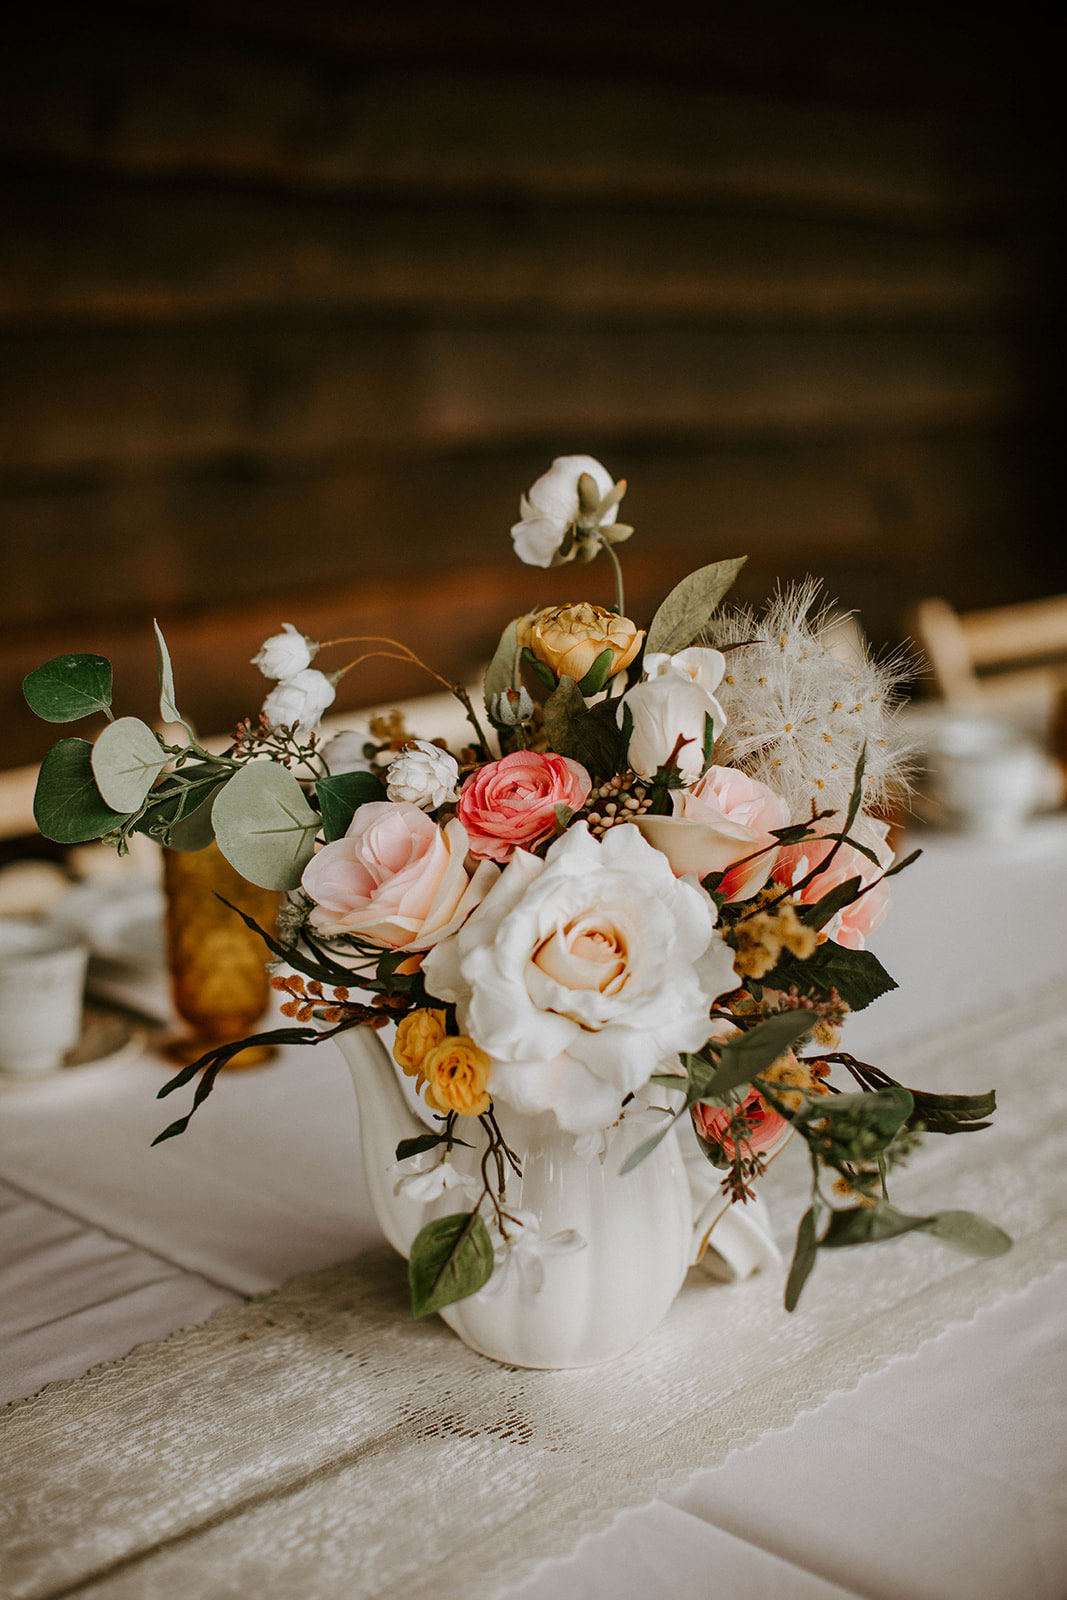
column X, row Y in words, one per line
column 722, row 819
column 395, row 878
column 768, row 1127
column 512, row 802
column 851, row 926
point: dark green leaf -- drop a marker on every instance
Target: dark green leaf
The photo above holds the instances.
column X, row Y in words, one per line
column 598, row 673
column 341, row 797
column 168, row 708
column 69, row 687
column 540, row 671
column 709, row 741
column 857, row 975
column 415, row 1147
column 866, row 1225
column 212, row 1063
column 803, row 1259
column 67, row 805
column 855, row 1128
column 588, row 735
column 690, row 605
column 953, row 1113
column 195, row 829
column 856, row 798
column 187, row 792
column 745, row 1057
column 819, row 914
column 451, row 1258
column 322, row 970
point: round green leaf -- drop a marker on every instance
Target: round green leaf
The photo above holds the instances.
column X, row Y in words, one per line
column 264, row 826
column 67, row 805
column 127, row 760
column 69, row 687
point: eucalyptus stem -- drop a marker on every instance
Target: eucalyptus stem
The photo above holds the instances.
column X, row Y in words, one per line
column 620, row 600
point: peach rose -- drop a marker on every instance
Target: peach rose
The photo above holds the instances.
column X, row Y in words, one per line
column 724, row 818
column 512, row 802
column 396, row 878
column 768, row 1127
column 851, row 926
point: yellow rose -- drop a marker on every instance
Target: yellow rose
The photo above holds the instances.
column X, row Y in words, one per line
column 418, row 1033
column 456, row 1073
column 568, row 639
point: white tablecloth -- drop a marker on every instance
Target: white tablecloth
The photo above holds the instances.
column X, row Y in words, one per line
column 940, row 1476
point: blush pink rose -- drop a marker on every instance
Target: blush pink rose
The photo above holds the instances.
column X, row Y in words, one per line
column 396, row 878
column 721, row 820
column 768, row 1127
column 512, row 803
column 852, row 926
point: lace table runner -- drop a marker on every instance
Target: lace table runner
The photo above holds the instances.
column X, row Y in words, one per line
column 316, row 1442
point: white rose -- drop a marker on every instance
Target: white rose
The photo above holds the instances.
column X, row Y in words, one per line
column 298, row 702
column 583, row 974
column 552, row 506
column 344, row 753
column 670, row 705
column 424, row 775
column 285, row 654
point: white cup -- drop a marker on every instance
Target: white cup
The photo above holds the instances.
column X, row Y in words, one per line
column 988, row 775
column 42, row 981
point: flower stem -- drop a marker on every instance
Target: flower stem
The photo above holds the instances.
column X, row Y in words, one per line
column 620, row 600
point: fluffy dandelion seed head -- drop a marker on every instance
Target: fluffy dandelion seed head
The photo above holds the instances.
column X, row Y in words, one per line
column 799, row 714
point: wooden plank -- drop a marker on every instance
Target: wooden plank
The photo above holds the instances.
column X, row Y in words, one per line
column 107, row 397
column 126, row 96
column 77, row 248
column 190, row 537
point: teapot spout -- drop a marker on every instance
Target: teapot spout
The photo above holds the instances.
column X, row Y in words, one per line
column 384, row 1119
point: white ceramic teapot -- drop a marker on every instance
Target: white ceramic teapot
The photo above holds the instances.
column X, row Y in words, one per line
column 638, row 1233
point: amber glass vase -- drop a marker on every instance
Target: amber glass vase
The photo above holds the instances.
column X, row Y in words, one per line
column 217, row 965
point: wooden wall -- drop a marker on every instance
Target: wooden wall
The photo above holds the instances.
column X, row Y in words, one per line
column 295, row 300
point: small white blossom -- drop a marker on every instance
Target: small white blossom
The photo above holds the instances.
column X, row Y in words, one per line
column 427, row 1175
column 521, row 1255
column 567, row 512
column 299, row 702
column 344, row 753
column 424, row 775
column 285, row 654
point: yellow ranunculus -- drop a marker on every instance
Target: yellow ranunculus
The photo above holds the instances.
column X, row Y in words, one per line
column 418, row 1033
column 457, row 1073
column 568, row 639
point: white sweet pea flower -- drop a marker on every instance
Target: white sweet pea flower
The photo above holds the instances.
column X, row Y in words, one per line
column 344, row 753
column 670, row 706
column 583, row 974
column 285, row 654
column 423, row 774
column 699, row 665
column 428, row 1174
column 567, row 511
column 523, row 1252
column 299, row 702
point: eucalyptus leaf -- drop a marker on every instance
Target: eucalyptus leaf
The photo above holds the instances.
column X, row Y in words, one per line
column 264, row 825
column 69, row 687
column 804, row 1255
column 67, row 805
column 168, row 708
column 972, row 1234
column 127, row 759
column 867, row 1225
column 340, row 798
column 451, row 1258
column 502, row 672
column 690, row 605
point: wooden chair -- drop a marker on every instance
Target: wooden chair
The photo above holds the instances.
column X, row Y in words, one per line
column 1006, row 658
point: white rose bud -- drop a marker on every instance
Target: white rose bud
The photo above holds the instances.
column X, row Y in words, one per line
column 510, row 707
column 298, row 702
column 344, row 753
column 424, row 775
column 285, row 654
column 664, row 709
column 557, row 507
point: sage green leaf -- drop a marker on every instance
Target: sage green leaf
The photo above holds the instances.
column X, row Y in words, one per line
column 690, row 605
column 168, row 708
column 451, row 1258
column 598, row 673
column 69, row 687
column 745, row 1057
column 502, row 673
column 340, row 798
column 857, row 975
column 67, row 805
column 127, row 760
column 807, row 1248
column 967, row 1232
column 867, row 1225
column 264, row 826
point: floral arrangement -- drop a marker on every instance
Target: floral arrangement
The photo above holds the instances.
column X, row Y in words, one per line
column 644, row 887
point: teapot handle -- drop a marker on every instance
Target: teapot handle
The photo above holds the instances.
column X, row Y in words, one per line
column 730, row 1242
